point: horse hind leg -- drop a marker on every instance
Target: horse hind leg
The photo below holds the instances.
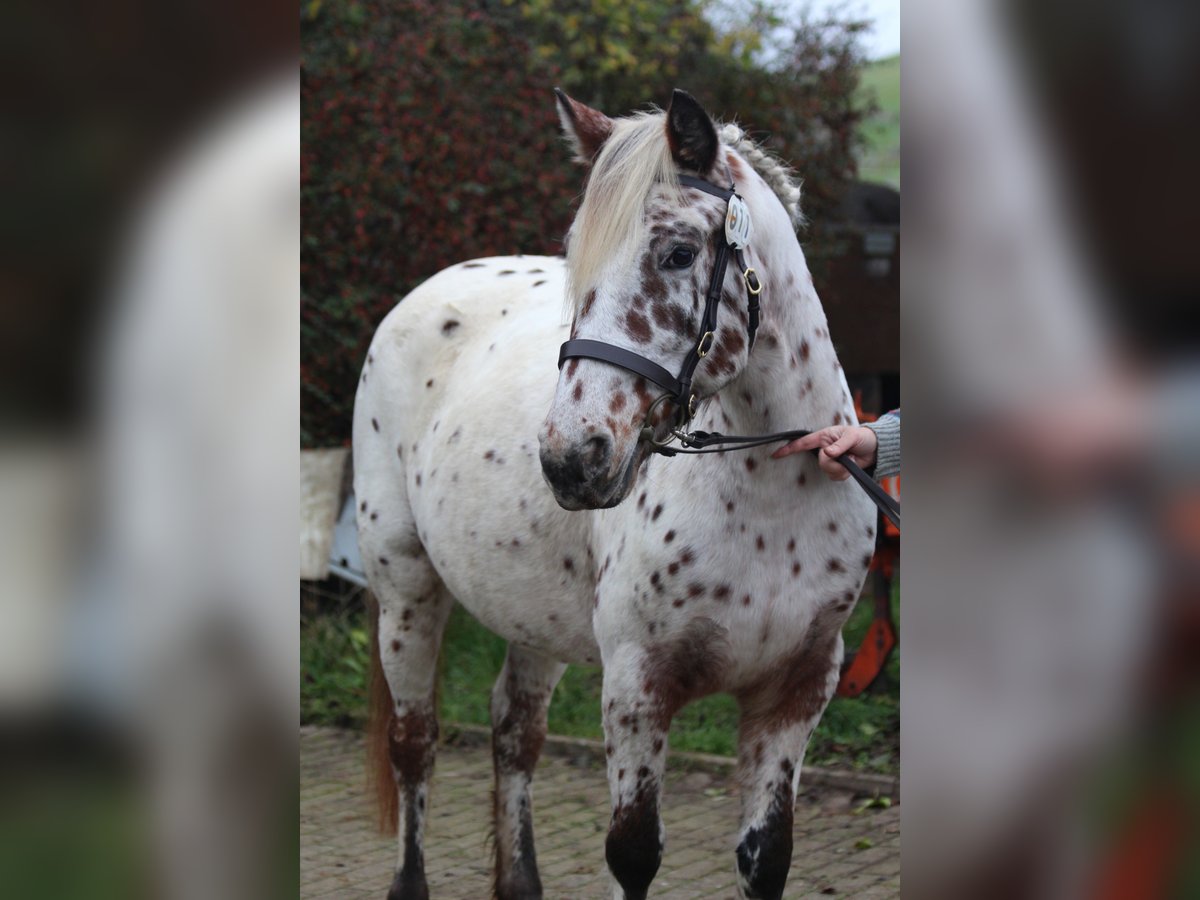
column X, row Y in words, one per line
column 520, row 701
column 413, row 609
column 777, row 721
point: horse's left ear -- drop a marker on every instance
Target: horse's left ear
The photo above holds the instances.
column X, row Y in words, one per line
column 691, row 133
column 586, row 129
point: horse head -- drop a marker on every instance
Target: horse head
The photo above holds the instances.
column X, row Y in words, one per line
column 640, row 259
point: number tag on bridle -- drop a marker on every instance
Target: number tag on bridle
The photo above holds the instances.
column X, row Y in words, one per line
column 737, row 224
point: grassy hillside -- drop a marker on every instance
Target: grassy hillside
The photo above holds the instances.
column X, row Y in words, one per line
column 880, row 160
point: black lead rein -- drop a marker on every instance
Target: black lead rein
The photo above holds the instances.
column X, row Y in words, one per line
column 737, row 235
column 705, row 442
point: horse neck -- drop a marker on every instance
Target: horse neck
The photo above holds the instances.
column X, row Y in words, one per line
column 792, row 378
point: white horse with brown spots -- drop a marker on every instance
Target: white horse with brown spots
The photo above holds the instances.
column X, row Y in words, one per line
column 681, row 577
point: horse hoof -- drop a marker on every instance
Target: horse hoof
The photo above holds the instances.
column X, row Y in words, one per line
column 523, row 885
column 409, row 887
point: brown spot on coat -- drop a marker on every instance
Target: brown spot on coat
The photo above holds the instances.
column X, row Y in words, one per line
column 588, row 301
column 686, row 668
column 637, row 326
column 798, row 689
column 412, row 742
column 670, row 317
column 518, row 737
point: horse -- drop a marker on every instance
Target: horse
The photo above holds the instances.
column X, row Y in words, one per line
column 565, row 534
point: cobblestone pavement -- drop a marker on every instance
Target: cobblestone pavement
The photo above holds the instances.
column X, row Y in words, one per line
column 841, row 849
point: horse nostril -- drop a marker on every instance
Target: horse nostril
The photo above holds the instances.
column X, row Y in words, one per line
column 596, row 454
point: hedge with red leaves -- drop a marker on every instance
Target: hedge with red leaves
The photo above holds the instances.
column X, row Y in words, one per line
column 429, row 136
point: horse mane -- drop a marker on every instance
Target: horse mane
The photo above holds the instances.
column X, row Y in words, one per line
column 635, row 157
column 610, row 223
column 779, row 176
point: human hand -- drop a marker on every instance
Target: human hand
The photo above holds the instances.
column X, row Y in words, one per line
column 856, row 440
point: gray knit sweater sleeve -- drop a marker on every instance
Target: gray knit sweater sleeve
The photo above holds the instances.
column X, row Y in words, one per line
column 887, row 431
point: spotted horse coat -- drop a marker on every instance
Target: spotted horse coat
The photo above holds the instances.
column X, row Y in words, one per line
column 562, row 534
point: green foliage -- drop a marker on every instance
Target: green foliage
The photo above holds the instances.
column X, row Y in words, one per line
column 80, row 809
column 335, row 657
column 429, row 136
column 618, row 55
column 880, row 90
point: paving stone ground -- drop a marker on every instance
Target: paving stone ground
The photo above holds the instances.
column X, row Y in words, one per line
column 840, row 850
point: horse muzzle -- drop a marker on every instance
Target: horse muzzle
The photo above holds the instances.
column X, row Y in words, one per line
column 581, row 475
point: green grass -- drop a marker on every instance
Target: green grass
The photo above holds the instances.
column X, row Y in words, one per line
column 880, row 160
column 71, row 827
column 862, row 733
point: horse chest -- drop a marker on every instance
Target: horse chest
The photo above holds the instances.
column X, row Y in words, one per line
column 762, row 569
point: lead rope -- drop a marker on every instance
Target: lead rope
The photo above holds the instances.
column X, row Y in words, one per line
column 705, row 442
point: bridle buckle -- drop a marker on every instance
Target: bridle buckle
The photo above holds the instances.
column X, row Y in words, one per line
column 753, row 285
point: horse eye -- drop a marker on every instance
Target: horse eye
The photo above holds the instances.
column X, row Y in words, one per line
column 680, row 258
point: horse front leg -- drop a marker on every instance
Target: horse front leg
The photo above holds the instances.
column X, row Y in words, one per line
column 520, row 701
column 635, row 731
column 778, row 717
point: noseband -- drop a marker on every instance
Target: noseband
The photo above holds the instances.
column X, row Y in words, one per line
column 679, row 388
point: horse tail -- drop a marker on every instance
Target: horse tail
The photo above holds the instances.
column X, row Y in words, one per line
column 380, row 780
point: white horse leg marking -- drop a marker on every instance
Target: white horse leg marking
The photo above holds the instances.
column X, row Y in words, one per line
column 778, row 718
column 520, row 700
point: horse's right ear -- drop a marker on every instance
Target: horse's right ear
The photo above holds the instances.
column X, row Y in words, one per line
column 585, row 128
